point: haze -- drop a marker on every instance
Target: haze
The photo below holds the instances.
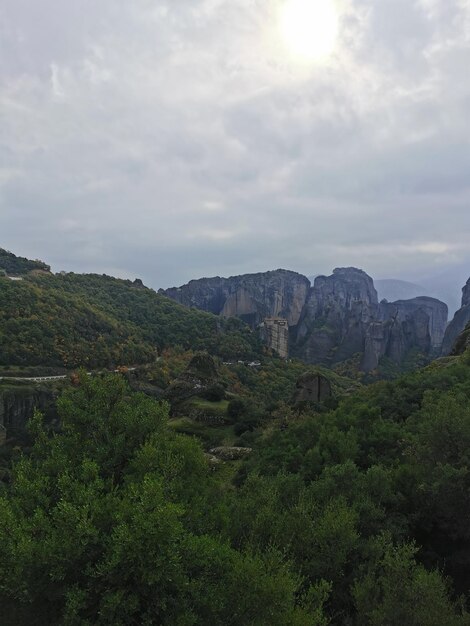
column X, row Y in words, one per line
column 173, row 140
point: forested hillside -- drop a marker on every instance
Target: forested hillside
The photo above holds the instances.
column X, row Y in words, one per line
column 18, row 266
column 353, row 516
column 98, row 321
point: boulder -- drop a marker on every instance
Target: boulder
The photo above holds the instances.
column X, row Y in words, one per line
column 312, row 388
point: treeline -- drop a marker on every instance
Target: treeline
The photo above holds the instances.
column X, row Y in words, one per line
column 17, row 266
column 355, row 516
column 97, row 321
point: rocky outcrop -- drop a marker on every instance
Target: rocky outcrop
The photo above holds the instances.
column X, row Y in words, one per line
column 437, row 311
column 463, row 342
column 458, row 324
column 417, row 324
column 312, row 388
column 18, row 404
column 338, row 319
column 342, row 318
column 336, row 316
column 251, row 297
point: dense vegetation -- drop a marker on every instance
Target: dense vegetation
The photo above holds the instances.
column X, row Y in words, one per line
column 97, row 321
column 18, row 266
column 118, row 521
column 352, row 511
column 353, row 516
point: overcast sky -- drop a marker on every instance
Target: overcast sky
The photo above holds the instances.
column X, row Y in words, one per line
column 176, row 139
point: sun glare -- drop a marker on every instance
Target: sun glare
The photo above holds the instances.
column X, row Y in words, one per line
column 309, row 28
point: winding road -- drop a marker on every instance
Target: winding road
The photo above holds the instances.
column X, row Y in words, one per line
column 40, row 379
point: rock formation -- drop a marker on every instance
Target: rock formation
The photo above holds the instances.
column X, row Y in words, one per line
column 336, row 316
column 458, row 324
column 251, row 297
column 18, row 404
column 463, row 342
column 417, row 324
column 312, row 388
column 336, row 319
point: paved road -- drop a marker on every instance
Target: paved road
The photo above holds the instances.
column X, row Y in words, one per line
column 40, row 379
column 36, row 379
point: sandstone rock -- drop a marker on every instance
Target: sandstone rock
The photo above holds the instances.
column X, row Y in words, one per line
column 437, row 313
column 336, row 320
column 312, row 388
column 336, row 315
column 402, row 326
column 463, row 342
column 251, row 297
column 458, row 324
column 18, row 404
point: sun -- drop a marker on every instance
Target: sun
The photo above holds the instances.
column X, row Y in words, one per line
column 309, row 28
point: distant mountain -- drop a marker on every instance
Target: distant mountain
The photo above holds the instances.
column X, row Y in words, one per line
column 392, row 289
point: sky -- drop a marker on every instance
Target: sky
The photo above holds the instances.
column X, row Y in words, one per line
column 170, row 140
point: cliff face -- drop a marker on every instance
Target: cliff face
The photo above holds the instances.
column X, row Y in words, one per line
column 336, row 319
column 17, row 406
column 336, row 316
column 458, row 324
column 463, row 342
column 252, row 297
column 402, row 326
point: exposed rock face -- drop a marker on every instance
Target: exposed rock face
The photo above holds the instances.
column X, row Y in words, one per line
column 312, row 388
column 463, row 342
column 404, row 325
column 17, row 406
column 335, row 320
column 251, row 297
column 336, row 316
column 458, row 324
column 437, row 311
column 275, row 333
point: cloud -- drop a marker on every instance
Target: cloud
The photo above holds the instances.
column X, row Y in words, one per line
column 169, row 140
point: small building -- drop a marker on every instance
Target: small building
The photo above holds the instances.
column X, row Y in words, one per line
column 275, row 333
